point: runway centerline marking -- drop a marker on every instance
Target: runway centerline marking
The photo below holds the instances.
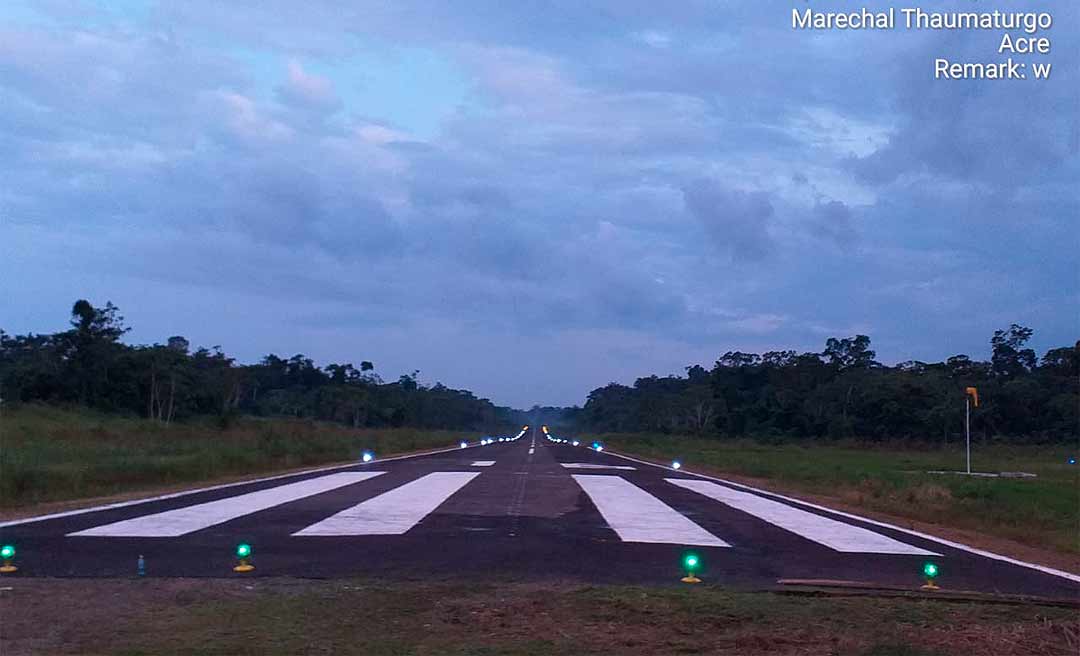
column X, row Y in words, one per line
column 396, row 511
column 823, row 530
column 589, row 465
column 181, row 521
column 637, row 516
column 483, row 463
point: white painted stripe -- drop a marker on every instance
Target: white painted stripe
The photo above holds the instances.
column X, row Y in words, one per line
column 210, row 488
column 396, row 511
column 589, row 465
column 483, row 463
column 948, row 543
column 829, row 532
column 638, row 516
column 181, row 521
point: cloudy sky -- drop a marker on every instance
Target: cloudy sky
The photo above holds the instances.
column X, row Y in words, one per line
column 531, row 199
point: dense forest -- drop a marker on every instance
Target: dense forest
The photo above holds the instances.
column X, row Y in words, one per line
column 844, row 392
column 841, row 392
column 89, row 365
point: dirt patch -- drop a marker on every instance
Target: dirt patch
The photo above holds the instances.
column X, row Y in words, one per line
column 287, row 616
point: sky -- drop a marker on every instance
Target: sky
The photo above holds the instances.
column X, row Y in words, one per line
column 532, row 199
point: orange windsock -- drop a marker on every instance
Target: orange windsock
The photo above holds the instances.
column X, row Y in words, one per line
column 974, row 393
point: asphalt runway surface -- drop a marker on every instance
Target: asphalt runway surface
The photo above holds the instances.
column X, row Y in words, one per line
column 529, row 509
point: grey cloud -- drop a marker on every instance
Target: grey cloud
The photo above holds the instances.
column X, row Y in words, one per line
column 832, row 220
column 1003, row 133
column 738, row 221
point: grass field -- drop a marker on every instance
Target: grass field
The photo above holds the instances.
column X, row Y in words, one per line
column 52, row 454
column 290, row 616
column 1043, row 512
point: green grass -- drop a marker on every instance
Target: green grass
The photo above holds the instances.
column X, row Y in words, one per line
column 283, row 616
column 1043, row 512
column 52, row 454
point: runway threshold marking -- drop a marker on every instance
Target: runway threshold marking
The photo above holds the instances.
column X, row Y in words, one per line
column 823, row 530
column 589, row 465
column 396, row 511
column 637, row 516
column 1068, row 576
column 483, row 463
column 181, row 521
column 183, row 493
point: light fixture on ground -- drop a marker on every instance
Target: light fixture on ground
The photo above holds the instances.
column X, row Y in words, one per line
column 7, row 553
column 243, row 553
column 367, row 456
column 930, row 572
column 463, row 444
column 691, row 562
column 675, row 464
column 575, row 443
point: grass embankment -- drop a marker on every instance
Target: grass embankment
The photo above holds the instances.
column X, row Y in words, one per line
column 282, row 616
column 51, row 454
column 1042, row 512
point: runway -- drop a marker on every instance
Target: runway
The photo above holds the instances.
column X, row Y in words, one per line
column 528, row 509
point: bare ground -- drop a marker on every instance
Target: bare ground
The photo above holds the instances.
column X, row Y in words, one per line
column 291, row 616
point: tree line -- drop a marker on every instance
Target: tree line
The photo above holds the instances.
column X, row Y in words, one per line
column 89, row 364
column 844, row 392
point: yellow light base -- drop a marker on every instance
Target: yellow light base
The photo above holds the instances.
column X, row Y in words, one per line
column 8, row 568
column 690, row 578
column 930, row 585
column 243, row 567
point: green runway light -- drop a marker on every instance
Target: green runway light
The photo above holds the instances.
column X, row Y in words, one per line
column 243, row 554
column 7, row 553
column 690, row 563
column 929, row 570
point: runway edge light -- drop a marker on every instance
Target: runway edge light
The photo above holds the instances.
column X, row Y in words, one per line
column 7, row 553
column 691, row 562
column 243, row 552
column 930, row 572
